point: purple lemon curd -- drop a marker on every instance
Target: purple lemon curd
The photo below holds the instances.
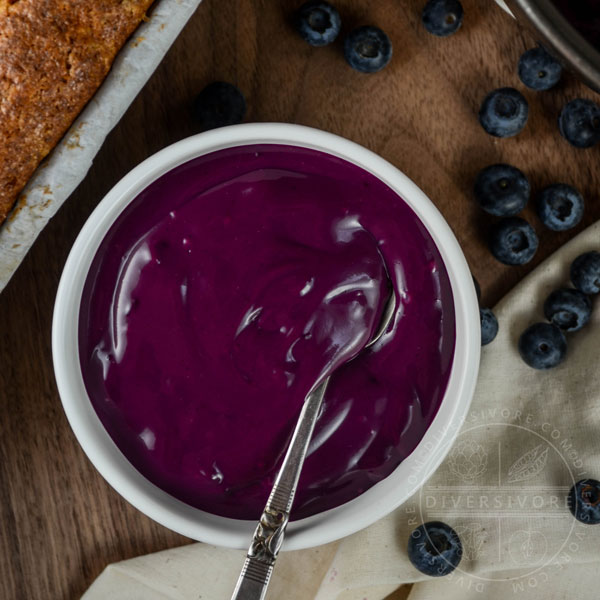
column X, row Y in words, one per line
column 226, row 289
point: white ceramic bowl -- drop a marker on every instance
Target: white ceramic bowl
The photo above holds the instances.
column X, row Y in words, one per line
column 178, row 516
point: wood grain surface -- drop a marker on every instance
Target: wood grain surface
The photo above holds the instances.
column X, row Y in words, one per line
column 60, row 523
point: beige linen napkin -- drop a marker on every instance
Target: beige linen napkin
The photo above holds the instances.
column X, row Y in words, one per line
column 528, row 437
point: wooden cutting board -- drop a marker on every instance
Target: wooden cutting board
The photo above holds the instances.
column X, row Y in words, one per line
column 60, row 523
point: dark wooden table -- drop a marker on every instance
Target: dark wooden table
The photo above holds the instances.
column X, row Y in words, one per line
column 60, row 523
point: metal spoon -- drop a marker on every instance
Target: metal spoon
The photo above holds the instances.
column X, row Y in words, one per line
column 268, row 537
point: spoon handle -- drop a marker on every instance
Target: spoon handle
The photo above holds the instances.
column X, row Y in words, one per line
column 268, row 537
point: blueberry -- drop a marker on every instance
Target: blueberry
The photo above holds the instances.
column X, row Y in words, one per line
column 538, row 70
column 513, row 241
column 542, row 346
column 502, row 190
column 560, row 206
column 584, row 501
column 579, row 123
column 489, row 325
column 585, row 272
column 568, row 309
column 318, row 23
column 219, row 104
column 367, row 49
column 434, row 548
column 504, row 112
column 442, row 17
column 477, row 288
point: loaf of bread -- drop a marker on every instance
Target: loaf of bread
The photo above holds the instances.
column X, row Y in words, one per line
column 54, row 54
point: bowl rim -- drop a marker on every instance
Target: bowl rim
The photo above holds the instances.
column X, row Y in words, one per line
column 324, row 527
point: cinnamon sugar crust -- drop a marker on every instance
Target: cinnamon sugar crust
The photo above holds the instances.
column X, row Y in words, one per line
column 54, row 54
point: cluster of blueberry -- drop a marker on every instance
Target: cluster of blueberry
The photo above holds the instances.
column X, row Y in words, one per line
column 543, row 345
column 503, row 191
column 504, row 111
column 435, row 549
column 367, row 49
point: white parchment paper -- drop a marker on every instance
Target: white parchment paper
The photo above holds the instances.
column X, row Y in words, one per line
column 66, row 166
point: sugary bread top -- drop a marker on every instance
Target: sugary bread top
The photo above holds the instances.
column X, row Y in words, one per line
column 54, row 54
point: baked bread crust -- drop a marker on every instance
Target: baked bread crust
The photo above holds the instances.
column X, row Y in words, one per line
column 54, row 54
